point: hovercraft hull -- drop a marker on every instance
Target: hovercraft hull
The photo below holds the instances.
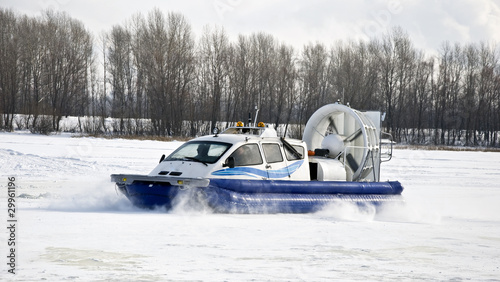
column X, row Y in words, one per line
column 262, row 196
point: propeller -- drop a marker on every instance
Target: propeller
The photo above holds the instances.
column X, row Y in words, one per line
column 332, row 123
column 353, row 136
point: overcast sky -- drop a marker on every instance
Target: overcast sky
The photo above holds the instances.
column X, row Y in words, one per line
column 298, row 22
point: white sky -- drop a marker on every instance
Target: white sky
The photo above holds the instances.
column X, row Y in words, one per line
column 298, row 22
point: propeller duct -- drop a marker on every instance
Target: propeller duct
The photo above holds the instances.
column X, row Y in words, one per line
column 351, row 136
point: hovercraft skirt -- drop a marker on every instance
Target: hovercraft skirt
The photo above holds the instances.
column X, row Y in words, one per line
column 264, row 196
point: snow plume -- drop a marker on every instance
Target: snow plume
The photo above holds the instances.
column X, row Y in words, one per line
column 100, row 195
column 84, row 195
column 348, row 211
column 190, row 202
column 408, row 211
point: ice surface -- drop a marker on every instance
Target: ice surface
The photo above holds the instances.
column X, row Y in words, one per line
column 74, row 226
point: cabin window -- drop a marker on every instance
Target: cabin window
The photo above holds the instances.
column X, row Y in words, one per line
column 199, row 151
column 291, row 156
column 272, row 153
column 248, row 154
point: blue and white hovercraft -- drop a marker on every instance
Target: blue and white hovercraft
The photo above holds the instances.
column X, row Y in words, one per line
column 252, row 170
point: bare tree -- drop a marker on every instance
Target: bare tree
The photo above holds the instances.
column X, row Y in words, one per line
column 213, row 65
column 312, row 71
column 286, row 86
column 8, row 68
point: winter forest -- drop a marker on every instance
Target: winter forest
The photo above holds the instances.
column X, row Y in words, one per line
column 152, row 76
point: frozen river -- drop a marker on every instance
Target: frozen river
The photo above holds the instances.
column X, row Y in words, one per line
column 72, row 225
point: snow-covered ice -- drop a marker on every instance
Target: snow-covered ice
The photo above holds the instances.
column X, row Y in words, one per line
column 73, row 225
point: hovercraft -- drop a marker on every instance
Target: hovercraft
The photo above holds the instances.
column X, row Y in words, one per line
column 249, row 169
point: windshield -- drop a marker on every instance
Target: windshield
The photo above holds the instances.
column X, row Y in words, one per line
column 206, row 152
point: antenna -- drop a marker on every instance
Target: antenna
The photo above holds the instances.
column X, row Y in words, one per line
column 256, row 115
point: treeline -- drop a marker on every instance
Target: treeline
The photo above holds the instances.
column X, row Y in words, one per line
column 153, row 77
column 46, row 68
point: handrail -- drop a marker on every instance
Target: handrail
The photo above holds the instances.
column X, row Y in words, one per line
column 389, row 152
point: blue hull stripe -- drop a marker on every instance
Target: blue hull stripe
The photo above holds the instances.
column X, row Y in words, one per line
column 254, row 172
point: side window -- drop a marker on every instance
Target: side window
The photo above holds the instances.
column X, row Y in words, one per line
column 247, row 155
column 272, row 153
column 291, row 156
